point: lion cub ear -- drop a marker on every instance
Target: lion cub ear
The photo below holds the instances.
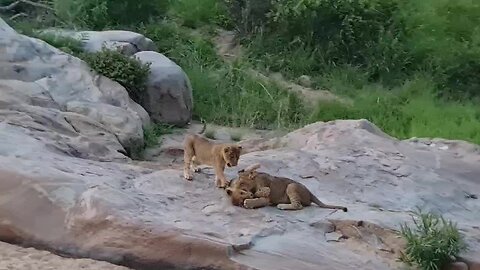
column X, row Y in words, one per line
column 252, row 175
column 226, row 149
column 229, row 191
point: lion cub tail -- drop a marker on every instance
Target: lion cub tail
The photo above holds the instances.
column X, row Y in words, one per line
column 204, row 126
column 315, row 200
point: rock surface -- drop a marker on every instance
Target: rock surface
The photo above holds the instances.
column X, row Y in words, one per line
column 58, row 100
column 168, row 98
column 18, row 258
column 126, row 42
column 56, row 193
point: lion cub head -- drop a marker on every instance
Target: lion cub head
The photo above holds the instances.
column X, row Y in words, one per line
column 243, row 186
column 231, row 154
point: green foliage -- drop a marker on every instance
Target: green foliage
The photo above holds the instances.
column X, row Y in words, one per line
column 236, row 135
column 389, row 40
column 180, row 45
column 195, row 13
column 444, row 35
column 248, row 16
column 410, row 110
column 432, row 242
column 100, row 14
column 152, row 133
column 210, row 133
column 225, row 94
column 66, row 44
column 127, row 71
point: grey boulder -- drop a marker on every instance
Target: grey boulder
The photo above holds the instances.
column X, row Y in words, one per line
column 168, row 97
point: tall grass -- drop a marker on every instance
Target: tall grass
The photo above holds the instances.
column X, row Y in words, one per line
column 196, row 13
column 432, row 242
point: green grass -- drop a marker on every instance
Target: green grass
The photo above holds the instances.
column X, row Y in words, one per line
column 210, row 133
column 197, row 13
column 431, row 242
column 153, row 133
column 236, row 136
column 225, row 94
column 410, row 110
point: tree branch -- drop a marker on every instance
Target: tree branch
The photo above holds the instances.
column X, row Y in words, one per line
column 11, row 6
column 28, row 2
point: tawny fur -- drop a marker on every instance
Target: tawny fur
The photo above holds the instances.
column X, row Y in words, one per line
column 202, row 151
column 254, row 189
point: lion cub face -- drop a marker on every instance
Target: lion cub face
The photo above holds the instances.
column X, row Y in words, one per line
column 239, row 195
column 231, row 154
column 242, row 187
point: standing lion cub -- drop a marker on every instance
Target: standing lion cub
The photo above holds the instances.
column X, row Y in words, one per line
column 255, row 189
column 201, row 151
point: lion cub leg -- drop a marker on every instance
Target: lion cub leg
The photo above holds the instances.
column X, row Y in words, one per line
column 294, row 197
column 188, row 155
column 255, row 203
column 220, row 179
column 195, row 165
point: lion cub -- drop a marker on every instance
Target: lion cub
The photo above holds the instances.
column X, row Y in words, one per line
column 201, row 151
column 256, row 189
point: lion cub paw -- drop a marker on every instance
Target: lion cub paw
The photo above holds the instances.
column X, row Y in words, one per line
column 187, row 176
column 249, row 203
column 221, row 184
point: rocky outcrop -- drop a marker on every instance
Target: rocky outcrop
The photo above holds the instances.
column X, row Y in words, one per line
column 60, row 101
column 59, row 122
column 126, row 42
column 168, row 97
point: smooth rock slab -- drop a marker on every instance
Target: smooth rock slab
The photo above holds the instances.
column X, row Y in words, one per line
column 125, row 42
column 142, row 217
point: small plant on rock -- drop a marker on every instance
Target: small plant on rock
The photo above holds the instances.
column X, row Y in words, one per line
column 128, row 71
column 432, row 243
column 152, row 133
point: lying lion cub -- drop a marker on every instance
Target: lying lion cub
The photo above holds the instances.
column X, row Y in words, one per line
column 199, row 150
column 256, row 189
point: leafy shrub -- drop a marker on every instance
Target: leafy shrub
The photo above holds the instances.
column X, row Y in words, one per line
column 127, row 71
column 432, row 243
column 99, row 14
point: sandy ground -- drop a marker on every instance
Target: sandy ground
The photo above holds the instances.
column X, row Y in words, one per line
column 19, row 258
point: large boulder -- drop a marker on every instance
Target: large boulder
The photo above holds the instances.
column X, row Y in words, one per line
column 168, row 98
column 57, row 98
column 126, row 42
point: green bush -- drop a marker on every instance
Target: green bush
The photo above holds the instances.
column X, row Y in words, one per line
column 100, row 14
column 432, row 242
column 127, row 71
